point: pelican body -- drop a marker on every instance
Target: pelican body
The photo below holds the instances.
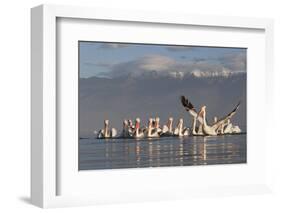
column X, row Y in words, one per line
column 167, row 129
column 180, row 130
column 138, row 133
column 208, row 130
column 152, row 130
column 106, row 132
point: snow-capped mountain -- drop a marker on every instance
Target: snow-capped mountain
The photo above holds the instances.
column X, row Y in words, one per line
column 223, row 73
column 182, row 75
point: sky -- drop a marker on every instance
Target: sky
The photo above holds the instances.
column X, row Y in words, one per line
column 110, row 60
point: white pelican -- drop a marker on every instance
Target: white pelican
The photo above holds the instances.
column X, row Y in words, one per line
column 212, row 130
column 106, row 132
column 230, row 128
column 138, row 133
column 180, row 130
column 131, row 128
column 157, row 125
column 221, row 128
column 196, row 130
column 151, row 132
column 201, row 117
column 125, row 132
column 208, row 130
column 236, row 129
column 130, row 124
column 167, row 129
column 190, row 108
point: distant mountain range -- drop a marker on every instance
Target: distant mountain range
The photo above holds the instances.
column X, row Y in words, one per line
column 151, row 94
column 180, row 74
column 195, row 73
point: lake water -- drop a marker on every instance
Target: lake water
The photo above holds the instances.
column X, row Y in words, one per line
column 166, row 151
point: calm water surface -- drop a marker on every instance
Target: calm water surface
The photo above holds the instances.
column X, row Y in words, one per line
column 169, row 151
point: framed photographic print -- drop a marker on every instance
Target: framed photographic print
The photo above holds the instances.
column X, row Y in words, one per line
column 130, row 106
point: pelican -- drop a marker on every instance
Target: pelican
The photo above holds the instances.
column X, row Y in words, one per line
column 167, row 129
column 157, row 125
column 221, row 128
column 208, row 130
column 151, row 131
column 138, row 133
column 125, row 132
column 236, row 129
column 196, row 130
column 212, row 130
column 230, row 128
column 190, row 108
column 201, row 117
column 180, row 130
column 106, row 132
column 130, row 124
column 131, row 128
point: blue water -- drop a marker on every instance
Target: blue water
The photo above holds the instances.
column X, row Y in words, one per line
column 167, row 151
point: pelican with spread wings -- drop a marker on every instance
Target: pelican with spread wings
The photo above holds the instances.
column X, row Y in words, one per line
column 201, row 117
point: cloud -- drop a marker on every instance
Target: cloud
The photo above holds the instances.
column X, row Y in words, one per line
column 235, row 61
column 167, row 66
column 105, row 64
column 149, row 63
column 113, row 46
column 100, row 64
column 88, row 64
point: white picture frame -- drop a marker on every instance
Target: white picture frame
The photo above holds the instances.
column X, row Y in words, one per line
column 45, row 168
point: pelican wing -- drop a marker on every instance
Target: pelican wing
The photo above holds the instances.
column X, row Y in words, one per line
column 190, row 108
column 225, row 118
column 100, row 134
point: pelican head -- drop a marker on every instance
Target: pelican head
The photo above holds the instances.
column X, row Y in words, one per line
column 130, row 123
column 125, row 122
column 150, row 123
column 202, row 111
column 157, row 121
column 215, row 119
column 170, row 121
column 153, row 122
column 106, row 122
column 180, row 123
column 137, row 123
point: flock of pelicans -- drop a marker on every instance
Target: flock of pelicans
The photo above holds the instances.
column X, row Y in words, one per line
column 154, row 130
